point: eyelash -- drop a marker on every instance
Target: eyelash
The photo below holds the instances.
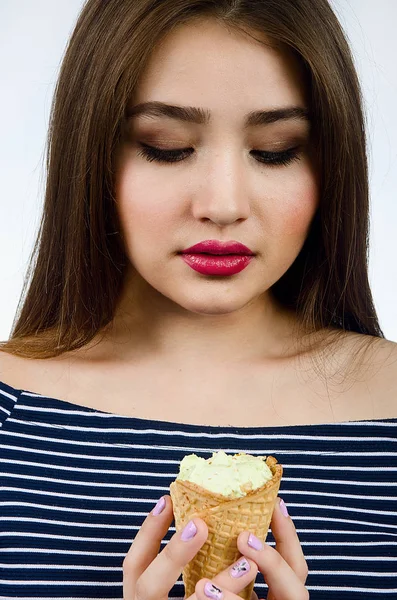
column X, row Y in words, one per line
column 272, row 159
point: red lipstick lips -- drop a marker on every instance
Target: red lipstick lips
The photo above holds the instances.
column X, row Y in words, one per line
column 212, row 257
column 216, row 247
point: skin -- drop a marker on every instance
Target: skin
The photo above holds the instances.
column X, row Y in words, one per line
column 221, row 191
column 150, row 575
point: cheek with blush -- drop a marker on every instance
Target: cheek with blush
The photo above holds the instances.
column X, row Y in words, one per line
column 142, row 208
column 297, row 218
column 299, row 205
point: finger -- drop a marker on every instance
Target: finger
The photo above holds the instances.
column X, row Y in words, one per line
column 282, row 581
column 208, row 588
column 287, row 541
column 146, row 545
column 237, row 576
column 161, row 574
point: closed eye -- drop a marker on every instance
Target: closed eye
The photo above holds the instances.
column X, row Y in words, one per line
column 151, row 153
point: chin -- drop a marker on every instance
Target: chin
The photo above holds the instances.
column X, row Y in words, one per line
column 214, row 307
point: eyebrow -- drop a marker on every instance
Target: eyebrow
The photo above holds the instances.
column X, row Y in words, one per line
column 201, row 116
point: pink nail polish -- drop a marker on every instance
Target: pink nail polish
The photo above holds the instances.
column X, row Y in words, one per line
column 283, row 508
column 240, row 568
column 254, row 542
column 211, row 591
column 160, row 506
column 189, row 532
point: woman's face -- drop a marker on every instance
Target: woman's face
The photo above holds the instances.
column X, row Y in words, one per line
column 223, row 188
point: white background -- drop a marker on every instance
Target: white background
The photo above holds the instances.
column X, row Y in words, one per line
column 33, row 36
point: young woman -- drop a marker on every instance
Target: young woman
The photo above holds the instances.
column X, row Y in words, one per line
column 200, row 283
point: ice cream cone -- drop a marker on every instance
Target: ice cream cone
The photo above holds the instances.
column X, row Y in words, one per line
column 225, row 518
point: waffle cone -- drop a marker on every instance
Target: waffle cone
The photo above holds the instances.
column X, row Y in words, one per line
column 225, row 518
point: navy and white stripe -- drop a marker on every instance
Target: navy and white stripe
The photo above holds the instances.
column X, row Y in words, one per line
column 77, row 483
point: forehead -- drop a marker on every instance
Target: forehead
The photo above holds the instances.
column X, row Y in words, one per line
column 206, row 64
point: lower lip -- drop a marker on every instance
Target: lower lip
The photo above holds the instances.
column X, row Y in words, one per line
column 217, row 264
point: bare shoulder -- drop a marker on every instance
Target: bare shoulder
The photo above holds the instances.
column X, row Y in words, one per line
column 372, row 355
column 26, row 373
column 7, row 365
column 382, row 357
column 385, row 376
column 387, row 351
column 377, row 362
column 13, row 369
column 361, row 373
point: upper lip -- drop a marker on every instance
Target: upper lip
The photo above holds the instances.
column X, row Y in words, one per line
column 217, row 247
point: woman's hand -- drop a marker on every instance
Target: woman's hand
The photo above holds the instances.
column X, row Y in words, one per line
column 150, row 575
column 284, row 568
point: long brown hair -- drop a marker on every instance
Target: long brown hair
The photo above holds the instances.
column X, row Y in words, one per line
column 78, row 263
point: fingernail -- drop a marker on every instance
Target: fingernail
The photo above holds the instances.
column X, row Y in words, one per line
column 283, row 508
column 189, row 532
column 254, row 543
column 211, row 591
column 160, row 506
column 240, row 568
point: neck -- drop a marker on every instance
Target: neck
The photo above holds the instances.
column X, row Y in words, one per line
column 147, row 325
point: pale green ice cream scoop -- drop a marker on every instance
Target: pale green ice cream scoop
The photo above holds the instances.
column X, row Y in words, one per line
column 232, row 476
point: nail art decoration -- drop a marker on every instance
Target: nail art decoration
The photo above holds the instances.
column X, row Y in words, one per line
column 240, row 568
column 211, row 591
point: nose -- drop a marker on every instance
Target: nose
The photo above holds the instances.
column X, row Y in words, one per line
column 223, row 196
